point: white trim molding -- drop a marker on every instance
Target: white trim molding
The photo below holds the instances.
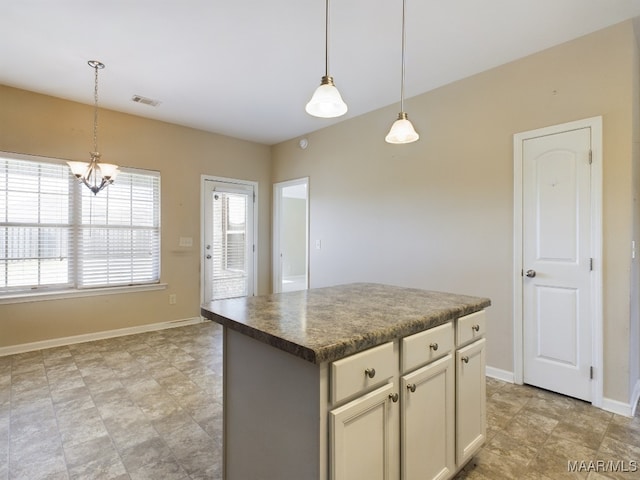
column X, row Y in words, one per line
column 87, row 292
column 256, row 207
column 499, row 374
column 595, row 123
column 90, row 337
column 617, row 407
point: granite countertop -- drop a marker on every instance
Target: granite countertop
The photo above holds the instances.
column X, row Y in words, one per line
column 325, row 324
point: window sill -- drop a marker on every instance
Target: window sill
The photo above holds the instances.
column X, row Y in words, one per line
column 90, row 292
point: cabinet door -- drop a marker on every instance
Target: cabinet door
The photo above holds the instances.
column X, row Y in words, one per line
column 364, row 437
column 470, row 400
column 427, row 413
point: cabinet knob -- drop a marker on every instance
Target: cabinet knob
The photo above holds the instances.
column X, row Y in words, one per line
column 370, row 372
column 411, row 387
column 465, row 359
column 433, row 346
column 476, row 328
column 394, row 397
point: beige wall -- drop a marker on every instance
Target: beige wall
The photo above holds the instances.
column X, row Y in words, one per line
column 40, row 125
column 438, row 213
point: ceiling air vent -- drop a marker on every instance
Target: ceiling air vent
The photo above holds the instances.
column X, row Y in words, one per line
column 145, row 100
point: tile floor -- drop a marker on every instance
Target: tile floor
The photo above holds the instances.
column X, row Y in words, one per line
column 148, row 406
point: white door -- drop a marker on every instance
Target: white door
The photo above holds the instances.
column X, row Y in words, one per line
column 291, row 235
column 228, row 263
column 557, row 262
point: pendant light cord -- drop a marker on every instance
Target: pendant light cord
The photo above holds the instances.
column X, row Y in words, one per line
column 326, row 40
column 404, row 2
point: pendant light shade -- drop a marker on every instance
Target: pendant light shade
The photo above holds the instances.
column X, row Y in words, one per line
column 326, row 101
column 402, row 130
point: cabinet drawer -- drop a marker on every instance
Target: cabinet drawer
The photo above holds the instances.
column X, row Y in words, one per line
column 424, row 347
column 362, row 371
column 471, row 327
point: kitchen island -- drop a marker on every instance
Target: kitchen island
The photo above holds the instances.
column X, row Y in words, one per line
column 323, row 383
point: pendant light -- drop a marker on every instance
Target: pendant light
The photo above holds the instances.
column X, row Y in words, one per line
column 326, row 101
column 402, row 130
column 95, row 175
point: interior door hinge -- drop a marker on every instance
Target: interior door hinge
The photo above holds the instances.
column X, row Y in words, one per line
column 590, row 373
column 591, row 264
column 590, row 157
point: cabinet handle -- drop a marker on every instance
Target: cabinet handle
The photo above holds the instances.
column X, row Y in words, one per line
column 433, row 346
column 411, row 387
column 476, row 328
column 465, row 359
column 394, row 397
column 370, row 372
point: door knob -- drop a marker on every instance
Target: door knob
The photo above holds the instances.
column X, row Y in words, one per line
column 208, row 257
column 530, row 273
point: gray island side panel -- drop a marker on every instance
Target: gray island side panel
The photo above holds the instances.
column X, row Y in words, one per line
column 325, row 324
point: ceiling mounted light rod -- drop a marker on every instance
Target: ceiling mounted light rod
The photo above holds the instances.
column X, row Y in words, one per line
column 402, row 130
column 326, row 101
column 95, row 175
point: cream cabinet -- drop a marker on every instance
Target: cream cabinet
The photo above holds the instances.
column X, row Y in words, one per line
column 363, row 437
column 366, row 440
column 470, row 386
column 411, row 409
column 427, row 412
column 363, row 433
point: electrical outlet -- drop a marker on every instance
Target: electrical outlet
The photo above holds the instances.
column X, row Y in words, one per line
column 173, row 299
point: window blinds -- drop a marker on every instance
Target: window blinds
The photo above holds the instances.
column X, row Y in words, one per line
column 119, row 234
column 35, row 225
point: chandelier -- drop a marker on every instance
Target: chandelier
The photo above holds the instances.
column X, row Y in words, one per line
column 95, row 175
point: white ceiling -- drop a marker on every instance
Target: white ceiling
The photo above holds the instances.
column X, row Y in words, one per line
column 246, row 68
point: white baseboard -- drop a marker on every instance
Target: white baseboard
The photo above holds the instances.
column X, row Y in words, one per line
column 499, row 374
column 90, row 337
column 615, row 406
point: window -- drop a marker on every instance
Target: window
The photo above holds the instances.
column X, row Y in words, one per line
column 56, row 235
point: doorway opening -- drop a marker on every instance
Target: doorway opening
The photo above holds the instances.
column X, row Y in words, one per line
column 291, row 235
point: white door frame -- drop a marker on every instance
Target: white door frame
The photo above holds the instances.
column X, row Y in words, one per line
column 203, row 199
column 595, row 123
column 276, row 264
